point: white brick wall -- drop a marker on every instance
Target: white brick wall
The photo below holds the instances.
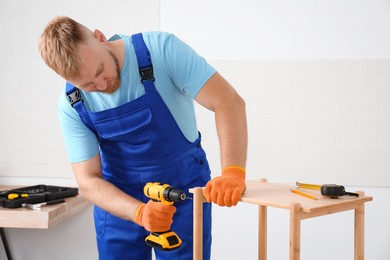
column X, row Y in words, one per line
column 320, row 121
column 309, row 120
column 31, row 144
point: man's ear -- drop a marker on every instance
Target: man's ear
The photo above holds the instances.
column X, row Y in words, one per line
column 99, row 36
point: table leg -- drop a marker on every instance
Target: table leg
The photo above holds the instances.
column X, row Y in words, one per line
column 5, row 244
column 198, row 223
column 295, row 231
column 359, row 232
column 262, row 233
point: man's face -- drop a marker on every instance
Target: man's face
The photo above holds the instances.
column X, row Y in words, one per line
column 99, row 71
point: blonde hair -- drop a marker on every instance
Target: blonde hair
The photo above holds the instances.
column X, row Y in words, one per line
column 58, row 45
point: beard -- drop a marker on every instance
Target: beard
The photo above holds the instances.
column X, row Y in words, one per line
column 115, row 83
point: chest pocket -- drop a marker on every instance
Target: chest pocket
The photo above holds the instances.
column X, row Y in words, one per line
column 127, row 123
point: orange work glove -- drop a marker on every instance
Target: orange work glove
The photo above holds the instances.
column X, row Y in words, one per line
column 155, row 216
column 226, row 190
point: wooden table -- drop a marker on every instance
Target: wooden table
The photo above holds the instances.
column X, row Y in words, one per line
column 266, row 194
column 44, row 218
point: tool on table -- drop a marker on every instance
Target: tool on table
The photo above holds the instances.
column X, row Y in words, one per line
column 40, row 205
column 303, row 194
column 328, row 190
column 13, row 196
column 166, row 194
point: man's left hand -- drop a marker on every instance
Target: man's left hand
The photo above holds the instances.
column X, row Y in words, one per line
column 226, row 190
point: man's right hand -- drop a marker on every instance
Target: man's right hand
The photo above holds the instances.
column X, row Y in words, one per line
column 155, row 216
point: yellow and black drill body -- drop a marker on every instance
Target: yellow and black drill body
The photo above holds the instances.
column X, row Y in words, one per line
column 166, row 194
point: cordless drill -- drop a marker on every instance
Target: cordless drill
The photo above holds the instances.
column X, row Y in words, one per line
column 166, row 194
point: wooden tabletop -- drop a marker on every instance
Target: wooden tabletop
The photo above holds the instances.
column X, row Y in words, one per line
column 44, row 218
column 279, row 195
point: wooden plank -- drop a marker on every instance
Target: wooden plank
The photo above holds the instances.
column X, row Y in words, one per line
column 198, row 223
column 359, row 232
column 295, row 231
column 262, row 235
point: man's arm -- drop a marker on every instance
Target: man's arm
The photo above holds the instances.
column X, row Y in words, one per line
column 220, row 97
column 153, row 216
column 102, row 193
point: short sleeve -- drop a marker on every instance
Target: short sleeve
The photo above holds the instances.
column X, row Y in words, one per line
column 188, row 70
column 81, row 144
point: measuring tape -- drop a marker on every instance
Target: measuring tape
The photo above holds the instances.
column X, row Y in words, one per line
column 308, row 186
column 328, row 190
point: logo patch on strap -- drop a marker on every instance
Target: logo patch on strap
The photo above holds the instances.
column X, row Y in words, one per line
column 74, row 97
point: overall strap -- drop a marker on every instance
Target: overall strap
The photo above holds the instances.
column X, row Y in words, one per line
column 76, row 101
column 144, row 62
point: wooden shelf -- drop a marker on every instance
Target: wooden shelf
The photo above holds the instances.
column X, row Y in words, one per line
column 44, row 218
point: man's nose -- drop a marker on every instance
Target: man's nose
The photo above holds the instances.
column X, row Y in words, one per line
column 101, row 84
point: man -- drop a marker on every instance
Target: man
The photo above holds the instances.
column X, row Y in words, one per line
column 127, row 122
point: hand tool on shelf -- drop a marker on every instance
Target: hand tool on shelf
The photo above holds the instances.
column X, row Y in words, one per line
column 40, row 205
column 166, row 194
column 328, row 190
column 12, row 196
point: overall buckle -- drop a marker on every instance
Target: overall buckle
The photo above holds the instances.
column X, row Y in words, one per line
column 146, row 73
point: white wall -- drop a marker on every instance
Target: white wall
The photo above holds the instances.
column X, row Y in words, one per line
column 315, row 76
column 322, row 121
column 281, row 29
column 31, row 144
column 316, row 115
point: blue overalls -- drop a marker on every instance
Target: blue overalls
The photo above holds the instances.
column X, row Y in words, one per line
column 140, row 142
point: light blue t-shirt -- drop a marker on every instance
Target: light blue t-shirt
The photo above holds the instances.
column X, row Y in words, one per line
column 179, row 72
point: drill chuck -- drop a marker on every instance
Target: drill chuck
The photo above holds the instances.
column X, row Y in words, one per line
column 172, row 194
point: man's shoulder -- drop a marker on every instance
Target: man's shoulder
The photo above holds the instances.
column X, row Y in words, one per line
column 145, row 34
column 157, row 34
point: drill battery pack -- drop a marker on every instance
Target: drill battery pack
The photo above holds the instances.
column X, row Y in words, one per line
column 165, row 241
column 14, row 198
